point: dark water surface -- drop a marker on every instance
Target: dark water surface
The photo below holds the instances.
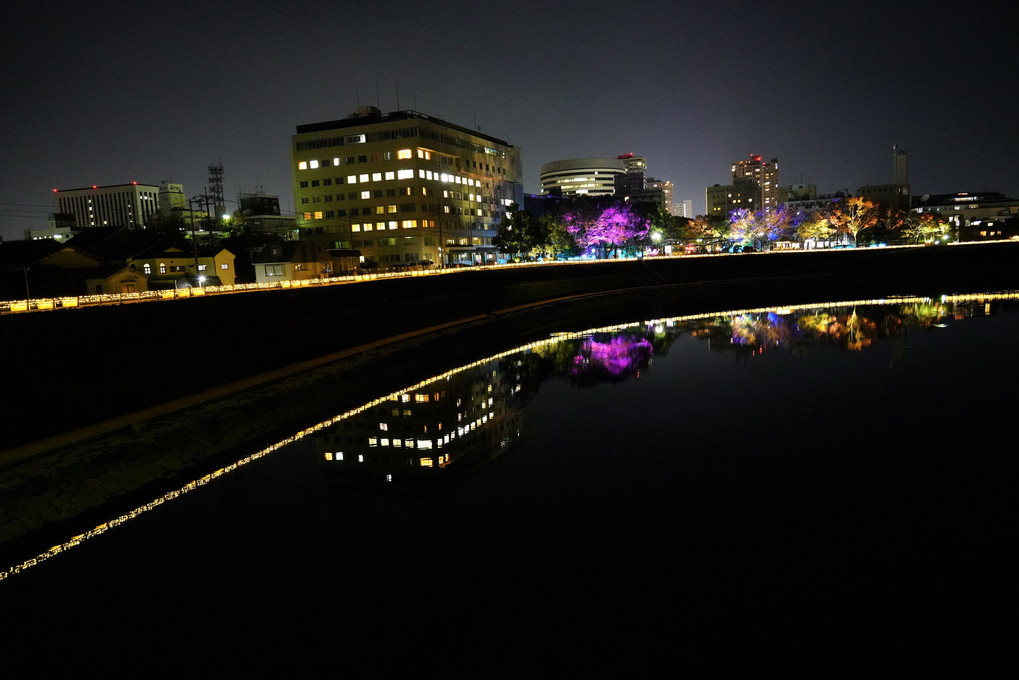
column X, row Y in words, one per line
column 766, row 486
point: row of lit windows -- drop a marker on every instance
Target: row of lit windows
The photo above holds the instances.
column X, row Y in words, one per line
column 390, row 193
column 402, row 154
column 393, row 175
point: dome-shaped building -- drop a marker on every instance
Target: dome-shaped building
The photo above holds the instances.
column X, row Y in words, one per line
column 591, row 176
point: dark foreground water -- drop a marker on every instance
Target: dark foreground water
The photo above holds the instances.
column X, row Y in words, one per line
column 832, row 483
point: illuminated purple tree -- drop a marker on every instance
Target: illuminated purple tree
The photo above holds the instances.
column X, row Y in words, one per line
column 606, row 229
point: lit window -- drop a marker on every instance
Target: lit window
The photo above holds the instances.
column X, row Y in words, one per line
column 409, row 224
column 366, row 194
column 390, row 175
column 312, row 164
column 351, row 179
column 403, row 153
column 318, row 214
column 303, row 165
column 362, row 178
column 376, row 176
column 355, row 227
column 405, row 174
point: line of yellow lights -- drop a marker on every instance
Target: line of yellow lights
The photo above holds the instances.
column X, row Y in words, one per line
column 78, row 301
column 555, row 338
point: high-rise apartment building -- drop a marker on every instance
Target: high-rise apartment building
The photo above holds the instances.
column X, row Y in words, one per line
column 762, row 174
column 754, row 187
column 403, row 187
column 119, row 205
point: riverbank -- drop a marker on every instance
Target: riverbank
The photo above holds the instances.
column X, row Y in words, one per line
column 78, row 480
column 68, row 369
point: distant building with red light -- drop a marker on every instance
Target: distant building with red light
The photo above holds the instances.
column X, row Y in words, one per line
column 119, row 205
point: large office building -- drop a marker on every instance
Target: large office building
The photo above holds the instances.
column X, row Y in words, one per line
column 403, row 187
column 582, row 176
column 119, row 205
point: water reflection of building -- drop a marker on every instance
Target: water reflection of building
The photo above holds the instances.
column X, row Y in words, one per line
column 429, row 434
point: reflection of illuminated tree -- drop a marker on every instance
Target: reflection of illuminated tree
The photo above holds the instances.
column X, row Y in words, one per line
column 619, row 358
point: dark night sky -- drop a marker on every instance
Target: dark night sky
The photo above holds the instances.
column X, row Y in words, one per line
column 107, row 93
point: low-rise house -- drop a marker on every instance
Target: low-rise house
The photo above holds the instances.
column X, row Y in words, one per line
column 295, row 261
column 175, row 268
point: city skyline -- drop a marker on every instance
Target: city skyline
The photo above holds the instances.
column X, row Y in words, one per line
column 104, row 96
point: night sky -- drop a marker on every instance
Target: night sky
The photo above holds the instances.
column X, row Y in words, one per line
column 109, row 93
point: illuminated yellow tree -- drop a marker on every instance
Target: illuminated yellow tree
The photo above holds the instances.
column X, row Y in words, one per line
column 817, row 227
column 853, row 215
column 924, row 226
